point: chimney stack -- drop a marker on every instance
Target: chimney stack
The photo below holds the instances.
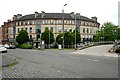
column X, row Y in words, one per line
column 36, row 14
column 94, row 19
column 9, row 20
column 72, row 14
column 43, row 14
column 16, row 17
column 78, row 15
column 19, row 16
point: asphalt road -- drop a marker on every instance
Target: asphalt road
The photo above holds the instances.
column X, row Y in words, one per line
column 60, row 64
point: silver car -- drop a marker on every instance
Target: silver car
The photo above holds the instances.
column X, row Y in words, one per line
column 3, row 49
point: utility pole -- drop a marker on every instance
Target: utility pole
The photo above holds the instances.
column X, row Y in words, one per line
column 63, row 23
column 75, row 31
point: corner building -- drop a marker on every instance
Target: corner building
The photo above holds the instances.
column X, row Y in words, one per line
column 36, row 23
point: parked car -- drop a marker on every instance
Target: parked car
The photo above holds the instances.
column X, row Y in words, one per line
column 12, row 47
column 7, row 46
column 3, row 49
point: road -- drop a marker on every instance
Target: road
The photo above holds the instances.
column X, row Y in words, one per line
column 60, row 64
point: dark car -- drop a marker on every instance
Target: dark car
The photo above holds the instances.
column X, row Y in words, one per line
column 12, row 47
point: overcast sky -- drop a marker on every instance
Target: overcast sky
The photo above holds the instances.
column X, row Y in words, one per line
column 105, row 10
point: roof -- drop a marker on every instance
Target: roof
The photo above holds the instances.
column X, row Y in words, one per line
column 54, row 16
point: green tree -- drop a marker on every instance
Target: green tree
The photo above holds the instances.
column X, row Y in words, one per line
column 22, row 37
column 59, row 38
column 78, row 37
column 68, row 38
column 108, row 32
column 98, row 37
column 118, row 33
column 46, row 35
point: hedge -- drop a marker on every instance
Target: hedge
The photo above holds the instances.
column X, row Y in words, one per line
column 117, row 50
column 26, row 46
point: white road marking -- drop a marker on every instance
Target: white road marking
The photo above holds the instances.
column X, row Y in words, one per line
column 78, row 53
column 85, row 59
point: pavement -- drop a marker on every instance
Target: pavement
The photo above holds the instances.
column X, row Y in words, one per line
column 102, row 51
column 6, row 61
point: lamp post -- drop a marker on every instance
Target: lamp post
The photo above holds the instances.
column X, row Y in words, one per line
column 49, row 38
column 63, row 23
column 75, row 31
column 103, row 33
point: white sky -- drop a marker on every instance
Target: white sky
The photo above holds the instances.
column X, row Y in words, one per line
column 105, row 10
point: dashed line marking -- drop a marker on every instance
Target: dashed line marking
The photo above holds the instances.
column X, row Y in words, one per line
column 85, row 59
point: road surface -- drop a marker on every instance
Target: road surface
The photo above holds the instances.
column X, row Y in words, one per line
column 61, row 64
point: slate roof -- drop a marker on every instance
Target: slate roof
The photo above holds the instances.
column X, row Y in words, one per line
column 54, row 16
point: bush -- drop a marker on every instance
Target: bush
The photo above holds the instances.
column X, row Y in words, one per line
column 117, row 50
column 26, row 46
column 18, row 46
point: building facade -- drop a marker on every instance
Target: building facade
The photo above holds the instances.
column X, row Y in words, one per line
column 1, row 35
column 36, row 23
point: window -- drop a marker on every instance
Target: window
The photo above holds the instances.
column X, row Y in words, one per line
column 90, row 24
column 38, row 31
column 30, row 29
column 70, row 22
column 90, row 30
column 30, row 36
column 59, row 29
column 43, row 22
column 21, row 22
column 86, row 23
column 59, row 21
column 65, row 29
column 52, row 22
column 18, row 30
column 37, row 21
column 46, row 21
column 51, row 28
column 83, row 30
column 26, row 22
column 65, row 22
column 73, row 22
column 33, row 22
column 70, row 29
column 18, row 23
column 30, row 22
column 82, row 23
column 26, row 28
column 87, row 30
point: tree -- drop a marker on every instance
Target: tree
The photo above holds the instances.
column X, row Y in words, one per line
column 22, row 37
column 78, row 37
column 68, row 38
column 98, row 36
column 46, row 35
column 118, row 34
column 59, row 39
column 108, row 32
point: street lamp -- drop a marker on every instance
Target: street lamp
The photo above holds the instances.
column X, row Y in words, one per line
column 103, row 33
column 63, row 23
column 75, row 31
column 49, row 38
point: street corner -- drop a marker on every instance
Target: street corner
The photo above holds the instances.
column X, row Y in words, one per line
column 6, row 62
